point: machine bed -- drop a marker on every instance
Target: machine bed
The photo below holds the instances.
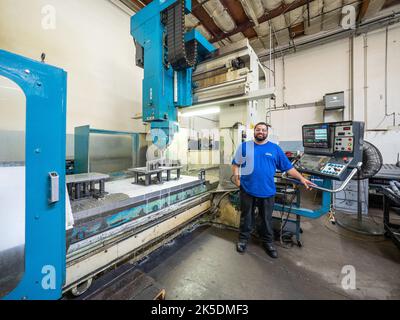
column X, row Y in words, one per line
column 125, row 202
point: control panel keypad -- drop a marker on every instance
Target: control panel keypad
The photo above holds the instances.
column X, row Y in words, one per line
column 333, row 169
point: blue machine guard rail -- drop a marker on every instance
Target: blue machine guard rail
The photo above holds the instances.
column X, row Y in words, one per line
column 326, row 196
column 308, row 213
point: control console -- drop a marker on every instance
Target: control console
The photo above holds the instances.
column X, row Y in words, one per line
column 331, row 149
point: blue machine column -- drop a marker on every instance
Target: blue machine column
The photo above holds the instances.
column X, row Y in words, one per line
column 164, row 87
column 45, row 246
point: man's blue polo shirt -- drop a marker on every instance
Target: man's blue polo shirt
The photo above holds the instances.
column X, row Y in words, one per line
column 258, row 166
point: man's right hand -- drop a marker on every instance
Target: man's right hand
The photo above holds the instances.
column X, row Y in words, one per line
column 235, row 175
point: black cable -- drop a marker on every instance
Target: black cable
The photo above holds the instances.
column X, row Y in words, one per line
column 231, row 179
column 284, row 221
column 283, row 224
column 223, row 196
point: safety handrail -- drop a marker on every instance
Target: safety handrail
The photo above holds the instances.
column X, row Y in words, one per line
column 344, row 184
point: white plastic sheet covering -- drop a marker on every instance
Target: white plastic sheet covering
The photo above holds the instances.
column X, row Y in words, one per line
column 315, row 17
column 262, row 29
column 256, row 5
column 12, row 209
column 271, row 4
column 220, row 16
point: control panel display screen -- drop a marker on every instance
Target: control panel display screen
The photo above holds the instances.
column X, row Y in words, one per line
column 316, row 136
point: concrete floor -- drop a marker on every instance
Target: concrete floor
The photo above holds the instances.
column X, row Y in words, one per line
column 204, row 265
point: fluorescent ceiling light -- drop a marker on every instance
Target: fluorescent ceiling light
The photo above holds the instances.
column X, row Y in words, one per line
column 201, row 112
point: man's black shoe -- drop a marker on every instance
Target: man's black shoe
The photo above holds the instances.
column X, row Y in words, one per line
column 270, row 250
column 241, row 247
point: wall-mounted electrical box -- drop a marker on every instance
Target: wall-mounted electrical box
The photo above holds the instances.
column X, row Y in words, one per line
column 334, row 101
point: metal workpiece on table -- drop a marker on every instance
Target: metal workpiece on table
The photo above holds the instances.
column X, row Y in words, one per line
column 157, row 168
column 169, row 170
column 70, row 189
column 86, row 177
column 202, row 175
column 86, row 189
column 92, row 185
column 77, row 191
column 84, row 185
column 153, row 165
column 102, row 187
column 148, row 174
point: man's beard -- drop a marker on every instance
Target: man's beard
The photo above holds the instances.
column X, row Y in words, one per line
column 260, row 138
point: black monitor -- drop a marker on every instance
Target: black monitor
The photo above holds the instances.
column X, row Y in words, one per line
column 316, row 136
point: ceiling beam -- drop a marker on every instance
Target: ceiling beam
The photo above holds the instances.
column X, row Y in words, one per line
column 297, row 30
column 236, row 11
column 132, row 5
column 208, row 23
column 363, row 10
column 282, row 9
column 140, row 3
column 198, row 11
column 390, row 3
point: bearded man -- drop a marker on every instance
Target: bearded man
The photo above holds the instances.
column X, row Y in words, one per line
column 254, row 168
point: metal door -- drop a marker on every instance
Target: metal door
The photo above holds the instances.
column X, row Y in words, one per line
column 33, row 267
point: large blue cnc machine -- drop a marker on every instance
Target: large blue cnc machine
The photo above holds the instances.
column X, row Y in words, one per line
column 38, row 269
column 168, row 55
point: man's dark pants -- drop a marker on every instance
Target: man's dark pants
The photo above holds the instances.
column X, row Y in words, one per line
column 265, row 206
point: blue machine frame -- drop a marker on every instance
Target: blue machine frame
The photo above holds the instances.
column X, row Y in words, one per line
column 82, row 145
column 45, row 249
column 159, row 101
column 308, row 213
